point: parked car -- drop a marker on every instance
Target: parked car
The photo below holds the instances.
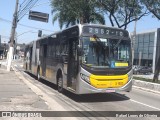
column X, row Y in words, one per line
column 136, row 68
column 142, row 70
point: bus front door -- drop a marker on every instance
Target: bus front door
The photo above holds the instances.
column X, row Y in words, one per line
column 72, row 64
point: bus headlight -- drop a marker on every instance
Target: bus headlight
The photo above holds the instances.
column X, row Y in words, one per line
column 130, row 75
column 84, row 77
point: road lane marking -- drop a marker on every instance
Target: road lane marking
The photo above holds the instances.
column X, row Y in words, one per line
column 145, row 104
column 35, row 89
column 138, row 102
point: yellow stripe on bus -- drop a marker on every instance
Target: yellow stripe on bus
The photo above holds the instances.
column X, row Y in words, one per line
column 49, row 73
column 108, row 81
column 121, row 64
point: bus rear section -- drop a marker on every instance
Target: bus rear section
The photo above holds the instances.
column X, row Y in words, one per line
column 30, row 58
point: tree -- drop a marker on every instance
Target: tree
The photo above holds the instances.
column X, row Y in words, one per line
column 123, row 12
column 69, row 12
column 154, row 7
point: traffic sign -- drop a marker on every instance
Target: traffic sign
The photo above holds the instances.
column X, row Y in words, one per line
column 38, row 16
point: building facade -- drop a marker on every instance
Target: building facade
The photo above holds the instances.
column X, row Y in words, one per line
column 147, row 48
column 3, row 50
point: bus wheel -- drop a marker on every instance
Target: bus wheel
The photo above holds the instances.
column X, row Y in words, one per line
column 60, row 84
column 38, row 75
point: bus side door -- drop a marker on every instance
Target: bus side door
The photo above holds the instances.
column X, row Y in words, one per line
column 30, row 58
column 72, row 64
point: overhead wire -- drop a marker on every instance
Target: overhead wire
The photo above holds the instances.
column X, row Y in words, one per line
column 1, row 19
column 35, row 28
column 23, row 2
column 26, row 8
column 8, row 21
column 21, row 8
column 3, row 36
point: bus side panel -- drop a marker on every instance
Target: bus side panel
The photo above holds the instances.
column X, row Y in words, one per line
column 50, row 70
column 34, row 65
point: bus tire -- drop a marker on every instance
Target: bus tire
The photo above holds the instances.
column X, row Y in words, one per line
column 26, row 66
column 60, row 84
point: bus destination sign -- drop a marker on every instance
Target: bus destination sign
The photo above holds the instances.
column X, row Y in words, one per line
column 105, row 31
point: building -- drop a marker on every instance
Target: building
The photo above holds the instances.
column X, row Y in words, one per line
column 3, row 50
column 19, row 50
column 147, row 48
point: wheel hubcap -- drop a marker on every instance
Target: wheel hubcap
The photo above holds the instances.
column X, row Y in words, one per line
column 60, row 82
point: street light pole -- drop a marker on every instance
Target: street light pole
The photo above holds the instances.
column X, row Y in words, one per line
column 14, row 25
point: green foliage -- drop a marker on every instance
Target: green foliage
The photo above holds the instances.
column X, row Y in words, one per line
column 153, row 6
column 69, row 12
column 123, row 12
column 119, row 12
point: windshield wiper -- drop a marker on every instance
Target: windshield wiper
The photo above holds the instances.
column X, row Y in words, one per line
column 99, row 41
column 119, row 41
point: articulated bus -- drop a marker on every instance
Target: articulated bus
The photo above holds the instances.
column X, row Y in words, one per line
column 83, row 59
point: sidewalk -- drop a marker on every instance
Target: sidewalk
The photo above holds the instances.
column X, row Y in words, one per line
column 16, row 95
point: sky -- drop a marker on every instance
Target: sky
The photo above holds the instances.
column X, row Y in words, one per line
column 28, row 34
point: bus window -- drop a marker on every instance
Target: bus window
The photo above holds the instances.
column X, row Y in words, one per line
column 64, row 52
column 101, row 53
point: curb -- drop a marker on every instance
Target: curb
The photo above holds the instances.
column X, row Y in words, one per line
column 154, row 87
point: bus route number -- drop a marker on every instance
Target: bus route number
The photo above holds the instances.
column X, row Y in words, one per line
column 106, row 32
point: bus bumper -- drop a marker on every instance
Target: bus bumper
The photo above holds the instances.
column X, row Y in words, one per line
column 86, row 88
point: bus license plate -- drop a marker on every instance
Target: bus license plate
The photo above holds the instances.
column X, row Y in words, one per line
column 111, row 90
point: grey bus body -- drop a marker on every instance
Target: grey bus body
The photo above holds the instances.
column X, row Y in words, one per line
column 83, row 59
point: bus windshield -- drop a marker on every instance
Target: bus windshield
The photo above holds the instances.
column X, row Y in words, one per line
column 106, row 53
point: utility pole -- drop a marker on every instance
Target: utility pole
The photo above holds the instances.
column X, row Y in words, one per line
column 140, row 57
column 14, row 25
column 133, row 40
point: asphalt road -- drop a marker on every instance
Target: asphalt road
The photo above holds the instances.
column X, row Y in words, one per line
column 136, row 100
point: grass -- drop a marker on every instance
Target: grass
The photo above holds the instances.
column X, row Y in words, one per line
column 145, row 79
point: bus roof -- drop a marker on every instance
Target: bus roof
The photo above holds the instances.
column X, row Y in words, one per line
column 55, row 33
column 103, row 26
column 79, row 26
